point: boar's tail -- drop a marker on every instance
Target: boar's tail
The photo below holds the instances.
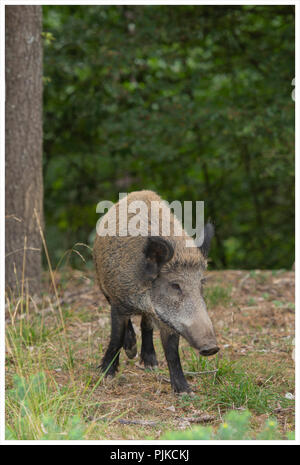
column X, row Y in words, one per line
column 130, row 341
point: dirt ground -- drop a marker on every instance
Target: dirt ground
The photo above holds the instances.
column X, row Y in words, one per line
column 253, row 315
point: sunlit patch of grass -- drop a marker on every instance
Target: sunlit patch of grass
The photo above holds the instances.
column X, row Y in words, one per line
column 278, row 272
column 217, row 295
column 280, row 304
column 197, row 363
column 259, row 276
column 224, row 384
column 32, row 332
column 241, row 392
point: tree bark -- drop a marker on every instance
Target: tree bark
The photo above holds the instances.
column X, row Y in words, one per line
column 23, row 153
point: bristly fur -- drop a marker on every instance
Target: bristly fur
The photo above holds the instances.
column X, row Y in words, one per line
column 156, row 275
column 120, row 259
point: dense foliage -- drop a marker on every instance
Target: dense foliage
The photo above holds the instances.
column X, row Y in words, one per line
column 191, row 101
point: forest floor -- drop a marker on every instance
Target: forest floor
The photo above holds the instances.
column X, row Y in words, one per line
column 54, row 345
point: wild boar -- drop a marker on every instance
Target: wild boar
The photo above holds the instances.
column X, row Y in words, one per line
column 159, row 278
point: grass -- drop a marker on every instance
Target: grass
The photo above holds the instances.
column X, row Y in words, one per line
column 231, row 387
column 45, row 400
column 54, row 390
column 36, row 410
column 217, row 295
column 236, row 426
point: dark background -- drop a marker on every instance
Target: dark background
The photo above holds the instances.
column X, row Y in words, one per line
column 193, row 102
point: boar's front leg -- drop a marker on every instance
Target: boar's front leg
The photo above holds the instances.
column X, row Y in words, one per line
column 170, row 342
column 148, row 356
column 110, row 361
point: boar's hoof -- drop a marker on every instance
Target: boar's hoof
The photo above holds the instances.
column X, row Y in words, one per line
column 108, row 379
column 151, row 367
column 182, row 388
column 109, row 370
column 149, row 361
column 131, row 351
column 186, row 393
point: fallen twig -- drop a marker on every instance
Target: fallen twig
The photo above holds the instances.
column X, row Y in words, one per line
column 204, row 418
column 190, row 373
column 137, row 422
column 162, row 378
column 280, row 409
column 243, row 280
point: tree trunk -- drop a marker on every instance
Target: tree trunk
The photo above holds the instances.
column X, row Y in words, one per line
column 23, row 138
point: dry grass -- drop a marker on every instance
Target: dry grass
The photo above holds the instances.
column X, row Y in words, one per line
column 253, row 314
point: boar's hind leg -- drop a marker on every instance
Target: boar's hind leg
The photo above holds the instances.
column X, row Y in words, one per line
column 148, row 356
column 170, row 342
column 110, row 360
column 130, row 341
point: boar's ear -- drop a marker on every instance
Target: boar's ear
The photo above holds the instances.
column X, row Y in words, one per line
column 157, row 251
column 209, row 232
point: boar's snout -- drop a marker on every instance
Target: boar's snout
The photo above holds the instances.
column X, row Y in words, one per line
column 209, row 350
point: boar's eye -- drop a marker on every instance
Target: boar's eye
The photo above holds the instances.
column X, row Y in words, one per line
column 176, row 287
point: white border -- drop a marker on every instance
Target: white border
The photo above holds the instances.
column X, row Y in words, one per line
column 157, row 443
